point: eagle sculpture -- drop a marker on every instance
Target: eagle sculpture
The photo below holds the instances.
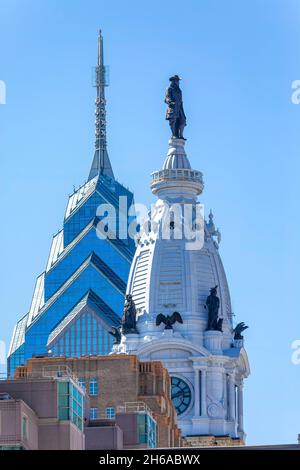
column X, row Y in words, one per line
column 168, row 320
column 240, row 327
column 115, row 332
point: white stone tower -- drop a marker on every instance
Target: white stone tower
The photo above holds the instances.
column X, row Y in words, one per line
column 176, row 275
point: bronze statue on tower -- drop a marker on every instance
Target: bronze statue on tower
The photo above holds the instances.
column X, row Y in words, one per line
column 175, row 113
column 213, row 305
column 128, row 322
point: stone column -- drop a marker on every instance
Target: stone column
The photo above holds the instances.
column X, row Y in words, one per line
column 225, row 395
column 231, row 398
column 203, row 393
column 197, row 394
column 240, row 408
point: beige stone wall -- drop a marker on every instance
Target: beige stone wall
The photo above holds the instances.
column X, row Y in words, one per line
column 211, row 441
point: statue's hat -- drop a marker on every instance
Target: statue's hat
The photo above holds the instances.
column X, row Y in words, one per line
column 175, row 77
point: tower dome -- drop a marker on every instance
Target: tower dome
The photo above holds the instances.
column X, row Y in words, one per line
column 171, row 273
column 176, row 157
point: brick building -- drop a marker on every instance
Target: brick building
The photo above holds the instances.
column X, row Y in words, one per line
column 49, row 410
column 114, row 380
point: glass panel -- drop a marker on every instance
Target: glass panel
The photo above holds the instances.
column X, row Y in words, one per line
column 24, row 427
column 110, row 413
column 67, row 339
column 89, row 332
column 63, row 401
column 82, row 382
column 83, row 334
column 93, row 413
column 73, row 351
column 95, row 351
column 94, row 386
column 146, row 430
column 76, row 400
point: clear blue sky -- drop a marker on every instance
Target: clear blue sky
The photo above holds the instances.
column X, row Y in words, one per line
column 237, row 59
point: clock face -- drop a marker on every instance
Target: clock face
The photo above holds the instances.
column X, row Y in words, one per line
column 181, row 395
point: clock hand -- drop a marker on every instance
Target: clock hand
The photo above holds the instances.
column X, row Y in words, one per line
column 177, row 394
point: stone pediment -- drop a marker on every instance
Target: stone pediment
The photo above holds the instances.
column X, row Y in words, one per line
column 171, row 348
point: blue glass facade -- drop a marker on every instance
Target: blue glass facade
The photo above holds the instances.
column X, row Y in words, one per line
column 80, row 295
column 147, row 430
column 70, row 403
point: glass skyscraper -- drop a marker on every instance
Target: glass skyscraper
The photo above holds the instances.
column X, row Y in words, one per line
column 80, row 295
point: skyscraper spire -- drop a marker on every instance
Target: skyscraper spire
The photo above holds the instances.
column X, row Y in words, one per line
column 101, row 163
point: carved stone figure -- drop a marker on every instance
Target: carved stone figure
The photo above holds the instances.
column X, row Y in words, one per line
column 116, row 333
column 213, row 305
column 129, row 316
column 168, row 320
column 175, row 113
column 240, row 327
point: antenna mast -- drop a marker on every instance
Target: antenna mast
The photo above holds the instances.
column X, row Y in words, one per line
column 101, row 164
